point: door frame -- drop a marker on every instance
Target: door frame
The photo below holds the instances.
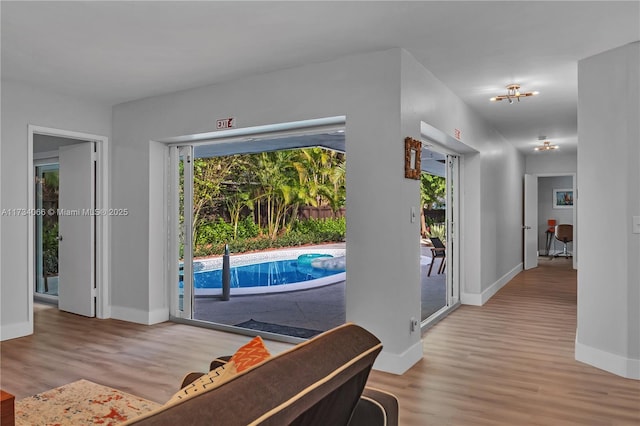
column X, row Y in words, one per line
column 575, row 209
column 187, row 144
column 453, row 267
column 103, row 222
column 529, row 227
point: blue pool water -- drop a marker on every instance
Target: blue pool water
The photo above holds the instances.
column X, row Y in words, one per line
column 263, row 274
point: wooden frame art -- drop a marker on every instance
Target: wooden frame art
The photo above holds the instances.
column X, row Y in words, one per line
column 412, row 151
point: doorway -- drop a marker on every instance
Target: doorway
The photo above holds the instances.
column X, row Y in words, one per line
column 277, row 203
column 444, row 157
column 68, row 241
column 439, row 203
column 548, row 201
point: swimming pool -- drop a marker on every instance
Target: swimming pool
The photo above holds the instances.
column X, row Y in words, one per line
column 270, row 272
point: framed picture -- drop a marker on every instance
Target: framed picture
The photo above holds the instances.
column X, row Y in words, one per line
column 412, row 151
column 563, row 198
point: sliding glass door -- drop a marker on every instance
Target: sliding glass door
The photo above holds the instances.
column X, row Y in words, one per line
column 278, row 204
column 440, row 230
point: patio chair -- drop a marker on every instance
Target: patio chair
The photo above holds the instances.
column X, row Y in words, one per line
column 437, row 251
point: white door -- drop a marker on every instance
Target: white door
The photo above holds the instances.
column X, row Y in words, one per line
column 530, row 226
column 76, row 249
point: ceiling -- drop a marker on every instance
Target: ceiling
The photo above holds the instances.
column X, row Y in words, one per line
column 113, row 52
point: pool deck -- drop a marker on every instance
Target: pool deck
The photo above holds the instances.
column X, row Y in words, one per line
column 319, row 308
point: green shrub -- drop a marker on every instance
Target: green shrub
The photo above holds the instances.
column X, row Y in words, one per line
column 247, row 228
column 313, row 231
column 213, row 232
column 438, row 230
column 322, row 230
column 50, row 248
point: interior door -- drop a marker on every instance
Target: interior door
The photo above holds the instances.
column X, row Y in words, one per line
column 76, row 249
column 530, row 225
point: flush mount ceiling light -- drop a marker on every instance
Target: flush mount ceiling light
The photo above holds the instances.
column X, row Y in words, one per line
column 513, row 92
column 546, row 145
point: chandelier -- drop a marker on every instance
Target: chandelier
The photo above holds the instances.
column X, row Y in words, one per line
column 546, row 146
column 513, row 92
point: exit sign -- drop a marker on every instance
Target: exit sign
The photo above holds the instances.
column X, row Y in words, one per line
column 225, row 123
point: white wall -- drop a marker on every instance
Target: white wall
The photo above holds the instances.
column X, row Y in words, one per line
column 365, row 89
column 551, row 163
column 492, row 182
column 608, row 334
column 383, row 274
column 23, row 105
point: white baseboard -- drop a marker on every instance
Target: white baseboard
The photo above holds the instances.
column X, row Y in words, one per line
column 398, row 363
column 616, row 364
column 482, row 298
column 139, row 316
column 474, row 299
column 13, row 331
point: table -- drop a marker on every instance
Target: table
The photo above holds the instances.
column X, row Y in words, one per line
column 7, row 414
column 550, row 235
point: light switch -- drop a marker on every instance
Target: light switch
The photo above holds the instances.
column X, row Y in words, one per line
column 636, row 225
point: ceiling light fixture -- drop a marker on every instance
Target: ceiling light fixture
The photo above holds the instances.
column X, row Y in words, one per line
column 513, row 92
column 546, row 145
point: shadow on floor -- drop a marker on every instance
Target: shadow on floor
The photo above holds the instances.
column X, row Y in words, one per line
column 315, row 309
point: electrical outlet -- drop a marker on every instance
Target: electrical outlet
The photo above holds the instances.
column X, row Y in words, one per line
column 414, row 325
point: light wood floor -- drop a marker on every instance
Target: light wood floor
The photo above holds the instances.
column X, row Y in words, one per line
column 509, row 362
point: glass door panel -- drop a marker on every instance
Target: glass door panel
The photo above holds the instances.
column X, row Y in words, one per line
column 47, row 191
column 185, row 231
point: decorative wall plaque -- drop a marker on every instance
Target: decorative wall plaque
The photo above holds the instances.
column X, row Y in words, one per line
column 412, row 150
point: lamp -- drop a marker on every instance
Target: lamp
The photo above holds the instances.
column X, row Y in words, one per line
column 513, row 92
column 546, row 145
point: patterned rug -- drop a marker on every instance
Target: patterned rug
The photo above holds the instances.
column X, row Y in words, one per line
column 80, row 403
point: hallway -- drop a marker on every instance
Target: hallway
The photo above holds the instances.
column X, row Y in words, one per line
column 511, row 362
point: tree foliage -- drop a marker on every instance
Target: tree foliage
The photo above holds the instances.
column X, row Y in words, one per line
column 432, row 193
column 432, row 190
column 267, row 188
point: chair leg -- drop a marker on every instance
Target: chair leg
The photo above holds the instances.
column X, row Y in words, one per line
column 433, row 259
column 442, row 265
column 565, row 253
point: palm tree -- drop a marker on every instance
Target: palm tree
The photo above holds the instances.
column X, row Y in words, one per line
column 321, row 175
column 274, row 173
